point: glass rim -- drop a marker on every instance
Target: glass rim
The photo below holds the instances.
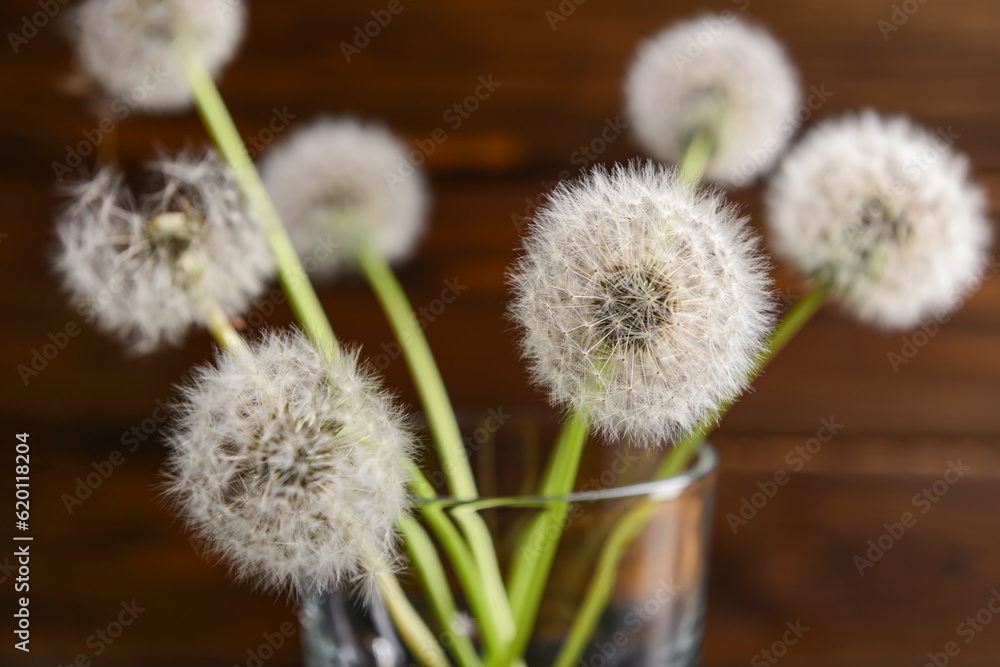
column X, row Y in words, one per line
column 659, row 490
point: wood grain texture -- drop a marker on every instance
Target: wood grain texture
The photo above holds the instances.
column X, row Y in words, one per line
column 559, row 89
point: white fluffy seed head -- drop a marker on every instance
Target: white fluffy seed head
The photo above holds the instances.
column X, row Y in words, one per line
column 291, row 468
column 644, row 302
column 131, row 46
column 335, row 184
column 720, row 76
column 142, row 269
column 884, row 211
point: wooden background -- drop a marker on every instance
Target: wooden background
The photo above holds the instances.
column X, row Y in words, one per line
column 559, row 88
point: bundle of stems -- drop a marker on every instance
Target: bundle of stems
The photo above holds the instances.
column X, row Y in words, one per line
column 505, row 611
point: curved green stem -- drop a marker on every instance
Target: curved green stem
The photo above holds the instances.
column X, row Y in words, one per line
column 537, row 546
column 419, row 359
column 292, row 276
column 432, row 576
column 222, row 329
column 791, row 323
column 412, row 629
column 444, row 430
column 602, row 583
column 599, row 589
column 461, row 559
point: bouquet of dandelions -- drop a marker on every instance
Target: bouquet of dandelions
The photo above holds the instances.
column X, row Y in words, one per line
column 644, row 302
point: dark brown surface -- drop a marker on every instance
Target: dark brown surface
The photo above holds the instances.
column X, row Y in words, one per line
column 558, row 89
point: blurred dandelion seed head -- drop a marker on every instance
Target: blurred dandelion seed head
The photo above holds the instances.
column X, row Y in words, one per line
column 716, row 75
column 330, row 180
column 882, row 210
column 140, row 269
column 131, row 47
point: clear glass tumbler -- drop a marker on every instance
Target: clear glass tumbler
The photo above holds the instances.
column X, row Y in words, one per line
column 647, row 542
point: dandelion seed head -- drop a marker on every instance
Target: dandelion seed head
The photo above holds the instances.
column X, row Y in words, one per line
column 720, row 76
column 131, row 47
column 883, row 210
column 290, row 468
column 643, row 301
column 140, row 269
column 335, row 183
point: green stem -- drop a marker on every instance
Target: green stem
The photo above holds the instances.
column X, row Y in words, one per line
column 696, row 157
column 292, row 276
column 215, row 319
column 599, row 589
column 539, row 542
column 791, row 323
column 299, row 290
column 461, row 559
column 602, row 583
column 432, row 576
column 222, row 330
column 443, row 427
column 419, row 359
column 412, row 629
